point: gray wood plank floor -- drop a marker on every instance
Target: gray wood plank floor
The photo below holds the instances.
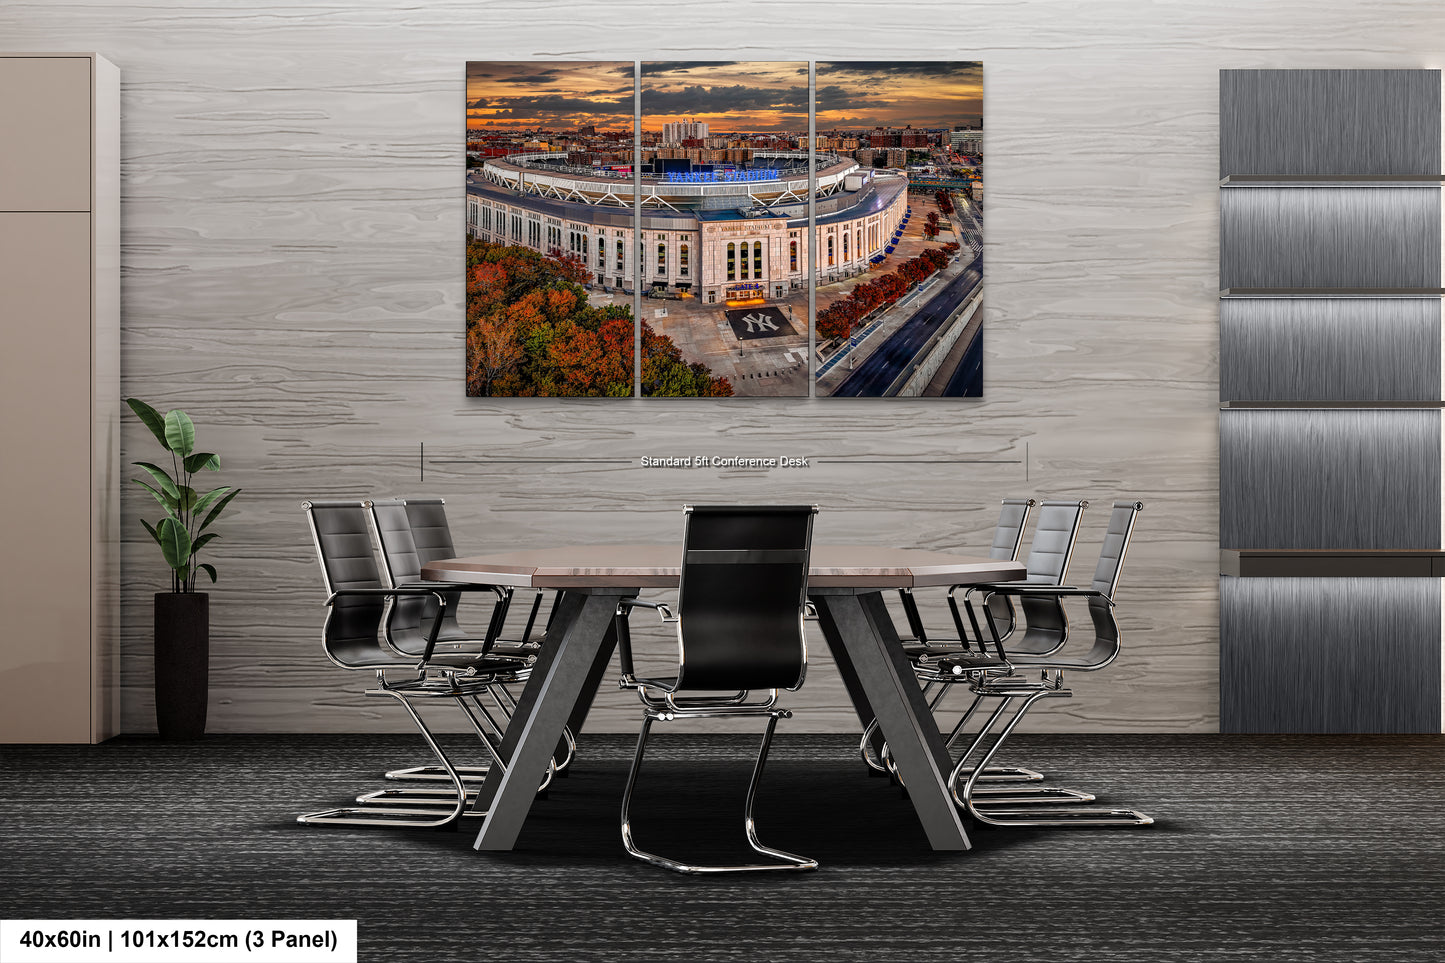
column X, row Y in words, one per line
column 1266, row 848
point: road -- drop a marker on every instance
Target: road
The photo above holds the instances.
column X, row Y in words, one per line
column 884, row 365
column 967, row 380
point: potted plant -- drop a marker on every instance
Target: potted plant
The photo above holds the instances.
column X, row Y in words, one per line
column 182, row 615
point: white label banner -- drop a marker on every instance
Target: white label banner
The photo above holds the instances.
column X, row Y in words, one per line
column 177, row 941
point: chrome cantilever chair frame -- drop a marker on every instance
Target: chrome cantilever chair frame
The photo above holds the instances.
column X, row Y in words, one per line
column 358, row 645
column 1000, row 683
column 664, row 700
column 1045, row 628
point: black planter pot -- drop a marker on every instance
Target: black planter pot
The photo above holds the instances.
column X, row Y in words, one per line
column 183, row 645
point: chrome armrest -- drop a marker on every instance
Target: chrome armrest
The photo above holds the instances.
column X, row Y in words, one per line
column 1056, row 591
column 408, row 591
column 660, row 607
column 501, row 593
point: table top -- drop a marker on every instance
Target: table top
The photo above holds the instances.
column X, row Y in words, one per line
column 658, row 566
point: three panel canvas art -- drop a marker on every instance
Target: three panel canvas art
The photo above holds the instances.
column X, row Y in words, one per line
column 576, row 211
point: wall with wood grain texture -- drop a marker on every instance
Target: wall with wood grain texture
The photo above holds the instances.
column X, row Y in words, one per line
column 293, row 221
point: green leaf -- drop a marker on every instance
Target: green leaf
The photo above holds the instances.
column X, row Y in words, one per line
column 210, row 570
column 180, row 433
column 202, row 540
column 203, row 461
column 167, row 502
column 217, row 509
column 207, row 498
column 162, row 477
column 152, row 419
column 152, row 529
column 175, row 543
column 187, row 499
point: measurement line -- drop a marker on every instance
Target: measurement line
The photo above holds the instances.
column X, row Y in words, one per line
column 531, row 461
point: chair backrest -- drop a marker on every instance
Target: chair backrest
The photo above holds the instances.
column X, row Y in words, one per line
column 342, row 536
column 394, row 535
column 1053, row 543
column 399, row 524
column 429, row 529
column 1106, row 579
column 1116, row 544
column 741, row 596
column 1008, row 535
column 1046, row 624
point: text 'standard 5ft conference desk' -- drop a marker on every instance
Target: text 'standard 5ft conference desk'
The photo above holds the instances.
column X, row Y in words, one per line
column 846, row 583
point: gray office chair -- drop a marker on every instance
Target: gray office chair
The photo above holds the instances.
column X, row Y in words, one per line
column 741, row 603
column 1050, row 551
column 1008, row 535
column 352, row 639
column 994, row 676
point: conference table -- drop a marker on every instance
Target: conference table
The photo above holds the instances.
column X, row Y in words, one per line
column 845, row 582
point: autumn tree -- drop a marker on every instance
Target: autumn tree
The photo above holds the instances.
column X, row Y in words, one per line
column 532, row 332
column 666, row 375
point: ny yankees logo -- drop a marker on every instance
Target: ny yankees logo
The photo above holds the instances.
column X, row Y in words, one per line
column 759, row 322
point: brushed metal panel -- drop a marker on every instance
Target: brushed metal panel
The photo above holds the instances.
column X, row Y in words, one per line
column 1329, row 122
column 1283, row 237
column 1329, row 655
column 1317, row 349
column 1311, row 478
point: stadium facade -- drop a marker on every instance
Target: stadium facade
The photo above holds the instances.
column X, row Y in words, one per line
column 730, row 233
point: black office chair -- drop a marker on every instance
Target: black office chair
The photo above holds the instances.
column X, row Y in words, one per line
column 432, row 536
column 411, row 533
column 994, row 676
column 741, row 604
column 352, row 639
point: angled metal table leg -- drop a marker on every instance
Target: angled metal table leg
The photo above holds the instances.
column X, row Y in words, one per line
column 549, row 699
column 861, row 634
column 594, row 680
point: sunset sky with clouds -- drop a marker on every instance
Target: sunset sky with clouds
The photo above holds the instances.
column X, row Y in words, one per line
column 556, row 94
column 899, row 93
column 729, row 96
column 755, row 96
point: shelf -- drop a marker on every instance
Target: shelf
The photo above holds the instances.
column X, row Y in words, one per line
column 1332, row 405
column 1331, row 563
column 1332, row 180
column 1331, row 292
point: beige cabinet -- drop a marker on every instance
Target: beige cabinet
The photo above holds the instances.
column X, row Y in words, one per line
column 60, row 397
